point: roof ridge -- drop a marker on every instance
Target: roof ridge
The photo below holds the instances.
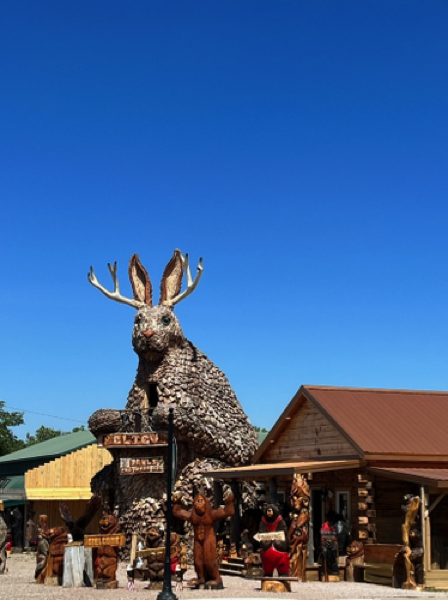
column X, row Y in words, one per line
column 376, row 390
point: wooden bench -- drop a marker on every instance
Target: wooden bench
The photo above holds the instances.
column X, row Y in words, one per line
column 378, row 564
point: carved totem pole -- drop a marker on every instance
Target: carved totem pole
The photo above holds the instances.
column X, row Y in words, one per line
column 210, row 426
column 299, row 528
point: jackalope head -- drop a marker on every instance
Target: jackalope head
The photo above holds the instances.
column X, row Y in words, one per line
column 155, row 327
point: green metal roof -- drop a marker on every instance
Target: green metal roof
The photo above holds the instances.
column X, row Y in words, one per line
column 12, row 490
column 57, row 446
column 15, row 482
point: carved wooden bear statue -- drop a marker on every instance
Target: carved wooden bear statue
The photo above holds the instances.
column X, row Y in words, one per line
column 107, row 556
column 274, row 553
column 202, row 516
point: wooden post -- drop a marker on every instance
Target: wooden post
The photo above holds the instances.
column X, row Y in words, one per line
column 426, row 528
column 236, row 520
column 133, row 549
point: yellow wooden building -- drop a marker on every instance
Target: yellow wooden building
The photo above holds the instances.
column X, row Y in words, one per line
column 66, row 478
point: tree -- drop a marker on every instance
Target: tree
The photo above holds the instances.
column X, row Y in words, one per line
column 261, row 429
column 47, row 433
column 42, row 435
column 8, row 441
column 75, row 429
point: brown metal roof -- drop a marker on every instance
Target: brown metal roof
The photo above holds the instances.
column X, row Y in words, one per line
column 387, row 421
column 434, row 477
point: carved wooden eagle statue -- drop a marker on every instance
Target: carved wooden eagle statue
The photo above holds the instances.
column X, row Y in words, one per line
column 77, row 528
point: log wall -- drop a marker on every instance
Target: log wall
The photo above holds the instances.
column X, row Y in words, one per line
column 389, row 498
column 309, row 435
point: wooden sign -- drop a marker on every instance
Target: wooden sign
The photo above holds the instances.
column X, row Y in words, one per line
column 134, row 440
column 270, row 536
column 160, row 552
column 133, row 466
column 111, row 539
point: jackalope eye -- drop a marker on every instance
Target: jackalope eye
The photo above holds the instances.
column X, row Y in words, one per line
column 166, row 320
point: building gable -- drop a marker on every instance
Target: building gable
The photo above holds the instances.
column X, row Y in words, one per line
column 307, row 434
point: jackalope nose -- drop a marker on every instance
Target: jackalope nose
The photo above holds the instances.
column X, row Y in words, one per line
column 148, row 333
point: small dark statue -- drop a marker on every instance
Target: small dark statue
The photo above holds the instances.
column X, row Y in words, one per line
column 202, row 516
column 107, row 563
column 328, row 552
column 274, row 553
column 155, row 563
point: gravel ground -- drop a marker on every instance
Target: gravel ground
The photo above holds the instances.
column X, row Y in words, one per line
column 18, row 584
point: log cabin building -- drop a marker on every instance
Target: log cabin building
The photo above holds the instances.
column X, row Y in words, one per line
column 362, row 451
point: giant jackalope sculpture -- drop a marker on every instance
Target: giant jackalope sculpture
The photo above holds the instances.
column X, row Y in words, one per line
column 209, row 421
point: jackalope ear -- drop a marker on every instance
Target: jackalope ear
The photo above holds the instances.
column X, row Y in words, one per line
column 172, row 278
column 141, row 284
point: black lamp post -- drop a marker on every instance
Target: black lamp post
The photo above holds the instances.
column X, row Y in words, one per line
column 167, row 592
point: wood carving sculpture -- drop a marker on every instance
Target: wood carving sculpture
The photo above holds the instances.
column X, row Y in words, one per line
column 408, row 567
column 299, row 528
column 155, row 563
column 55, row 564
column 328, row 552
column 77, row 528
column 209, row 422
column 274, row 553
column 355, row 556
column 3, row 541
column 107, row 556
column 43, row 548
column 202, row 516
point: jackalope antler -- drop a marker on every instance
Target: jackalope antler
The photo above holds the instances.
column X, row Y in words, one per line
column 115, row 295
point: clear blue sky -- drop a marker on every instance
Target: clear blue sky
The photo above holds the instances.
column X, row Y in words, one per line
column 300, row 147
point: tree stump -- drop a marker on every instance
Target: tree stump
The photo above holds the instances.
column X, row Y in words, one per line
column 78, row 567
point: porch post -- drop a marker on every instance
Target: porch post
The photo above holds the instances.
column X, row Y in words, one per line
column 426, row 527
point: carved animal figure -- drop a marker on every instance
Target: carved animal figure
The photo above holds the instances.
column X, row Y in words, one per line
column 355, row 556
column 172, row 370
column 209, row 423
column 55, row 564
column 274, row 553
column 202, row 516
column 156, row 562
column 3, row 541
column 43, row 548
column 106, row 567
column 77, row 528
